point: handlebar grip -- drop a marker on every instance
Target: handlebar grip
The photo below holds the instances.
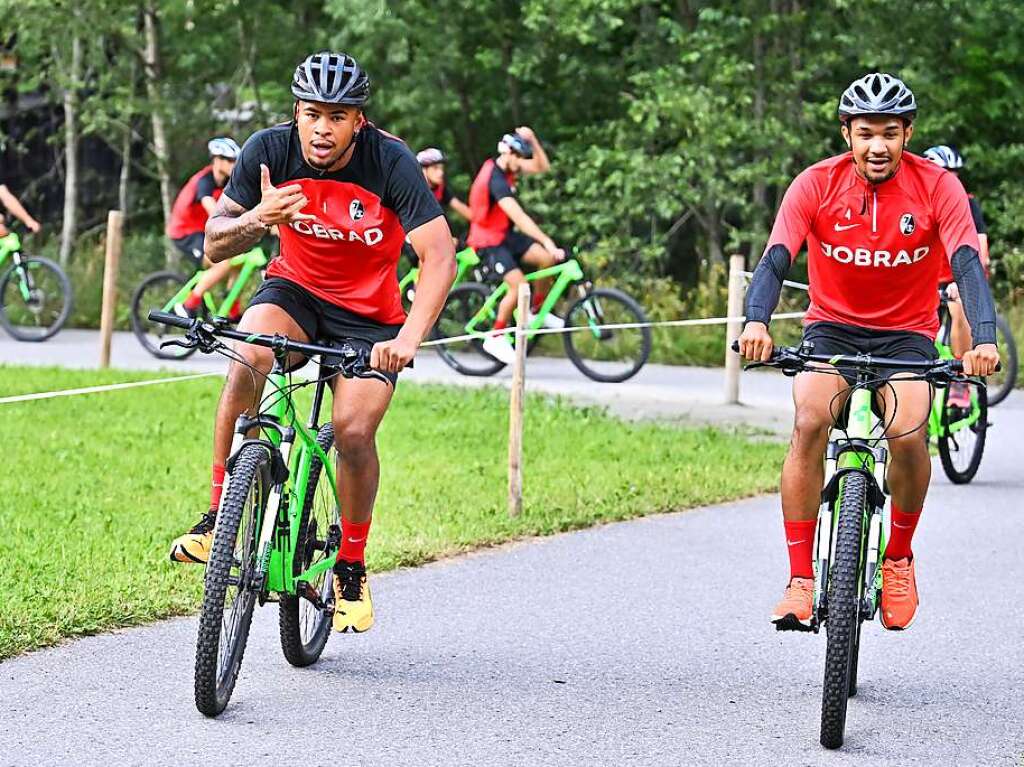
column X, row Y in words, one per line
column 170, row 319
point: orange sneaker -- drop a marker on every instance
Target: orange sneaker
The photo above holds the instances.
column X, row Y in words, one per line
column 899, row 593
column 795, row 610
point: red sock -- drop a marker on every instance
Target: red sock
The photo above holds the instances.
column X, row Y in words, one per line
column 353, row 540
column 500, row 324
column 800, row 541
column 216, row 485
column 193, row 301
column 236, row 308
column 900, row 533
column 538, row 301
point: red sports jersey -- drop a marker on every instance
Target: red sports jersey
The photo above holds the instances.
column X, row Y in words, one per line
column 349, row 254
column 488, row 223
column 188, row 216
column 875, row 250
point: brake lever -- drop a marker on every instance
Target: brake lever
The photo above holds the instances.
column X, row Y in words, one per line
column 180, row 343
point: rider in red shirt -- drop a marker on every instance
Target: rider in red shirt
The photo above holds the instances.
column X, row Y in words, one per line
column 192, row 207
column 344, row 195
column 877, row 222
column 494, row 210
column 433, row 160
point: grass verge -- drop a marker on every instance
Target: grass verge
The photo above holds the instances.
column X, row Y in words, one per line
column 97, row 486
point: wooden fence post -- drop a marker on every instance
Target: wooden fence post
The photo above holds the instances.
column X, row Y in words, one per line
column 515, row 416
column 115, row 225
column 733, row 329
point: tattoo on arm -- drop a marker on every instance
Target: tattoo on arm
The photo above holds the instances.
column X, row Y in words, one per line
column 231, row 229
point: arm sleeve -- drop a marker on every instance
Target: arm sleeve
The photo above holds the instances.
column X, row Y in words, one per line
column 974, row 294
column 979, row 220
column 766, row 284
column 499, row 186
column 205, row 187
column 406, row 192
column 244, row 185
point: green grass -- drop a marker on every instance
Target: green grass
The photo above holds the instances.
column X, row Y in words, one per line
column 97, row 485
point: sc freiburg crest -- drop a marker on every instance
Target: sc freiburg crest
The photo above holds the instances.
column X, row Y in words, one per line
column 907, row 224
column 356, row 212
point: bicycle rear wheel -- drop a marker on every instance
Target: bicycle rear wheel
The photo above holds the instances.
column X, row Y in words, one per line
column 35, row 299
column 1001, row 384
column 467, row 357
column 961, row 450
column 230, row 587
column 153, row 293
column 305, row 628
column 844, row 597
column 612, row 355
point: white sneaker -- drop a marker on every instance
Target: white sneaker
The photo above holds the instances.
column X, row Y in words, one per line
column 500, row 348
column 553, row 321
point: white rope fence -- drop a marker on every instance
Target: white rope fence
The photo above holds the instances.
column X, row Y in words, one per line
column 103, row 388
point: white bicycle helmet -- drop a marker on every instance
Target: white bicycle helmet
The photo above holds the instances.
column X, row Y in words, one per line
column 223, row 147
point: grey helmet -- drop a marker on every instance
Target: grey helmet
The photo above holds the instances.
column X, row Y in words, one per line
column 430, row 156
column 945, row 157
column 877, row 94
column 331, row 78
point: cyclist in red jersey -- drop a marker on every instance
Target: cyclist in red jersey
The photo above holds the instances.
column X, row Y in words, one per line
column 345, row 195
column 960, row 341
column 13, row 205
column 433, row 160
column 192, row 207
column 494, row 209
column 877, row 221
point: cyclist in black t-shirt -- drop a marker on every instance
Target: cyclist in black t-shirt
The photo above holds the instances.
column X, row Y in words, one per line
column 344, row 195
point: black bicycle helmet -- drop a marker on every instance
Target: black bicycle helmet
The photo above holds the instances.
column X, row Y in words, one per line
column 331, row 78
column 513, row 142
column 877, row 94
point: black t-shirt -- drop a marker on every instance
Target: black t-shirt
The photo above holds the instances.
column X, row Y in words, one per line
column 499, row 186
column 348, row 255
column 205, row 186
column 979, row 220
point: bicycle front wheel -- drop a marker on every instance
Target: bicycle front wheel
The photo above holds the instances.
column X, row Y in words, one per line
column 468, row 356
column 962, row 443
column 35, row 299
column 152, row 294
column 844, row 597
column 305, row 628
column 1001, row 384
column 231, row 584
column 609, row 355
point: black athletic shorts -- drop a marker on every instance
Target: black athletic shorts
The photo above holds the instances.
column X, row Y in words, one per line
column 324, row 322
column 508, row 255
column 834, row 338
column 191, row 246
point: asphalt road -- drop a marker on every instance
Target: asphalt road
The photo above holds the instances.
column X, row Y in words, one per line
column 643, row 643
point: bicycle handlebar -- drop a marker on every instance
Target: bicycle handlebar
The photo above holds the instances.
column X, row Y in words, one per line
column 794, row 360
column 355, row 362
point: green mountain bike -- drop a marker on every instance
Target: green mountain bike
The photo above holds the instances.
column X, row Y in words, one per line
column 466, row 260
column 35, row 294
column 958, row 425
column 160, row 291
column 851, row 530
column 278, row 526
column 606, row 354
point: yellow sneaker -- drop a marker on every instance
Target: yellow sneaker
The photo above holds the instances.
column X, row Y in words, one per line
column 194, row 546
column 353, row 608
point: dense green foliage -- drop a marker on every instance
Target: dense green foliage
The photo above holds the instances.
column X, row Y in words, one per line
column 673, row 125
column 85, row 548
